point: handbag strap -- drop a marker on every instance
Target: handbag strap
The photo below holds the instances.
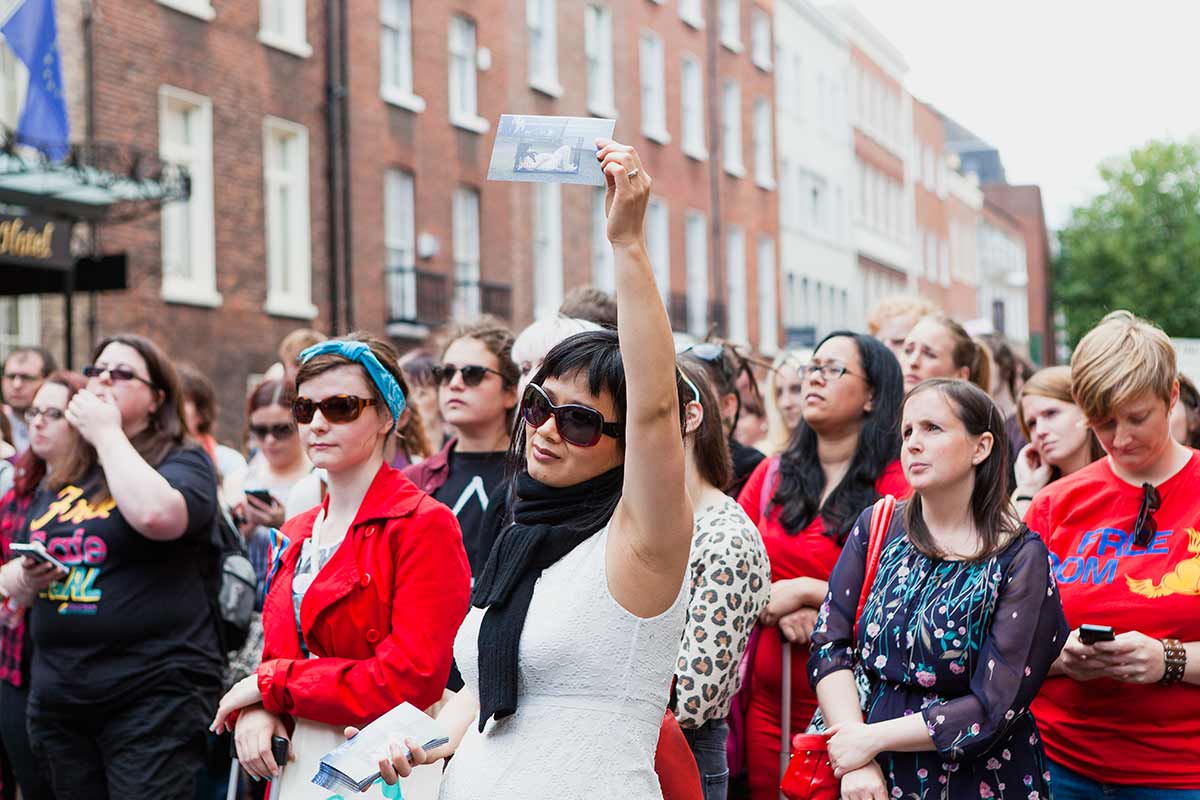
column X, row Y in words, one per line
column 881, row 520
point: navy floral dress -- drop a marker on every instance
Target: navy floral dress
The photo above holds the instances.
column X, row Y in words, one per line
column 965, row 644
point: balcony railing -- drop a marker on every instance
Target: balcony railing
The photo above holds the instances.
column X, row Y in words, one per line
column 416, row 297
column 496, row 299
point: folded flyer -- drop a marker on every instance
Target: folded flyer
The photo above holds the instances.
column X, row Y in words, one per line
column 354, row 765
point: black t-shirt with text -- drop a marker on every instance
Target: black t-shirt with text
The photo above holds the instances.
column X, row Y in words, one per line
column 132, row 611
column 468, row 491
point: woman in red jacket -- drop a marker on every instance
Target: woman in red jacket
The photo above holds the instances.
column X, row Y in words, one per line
column 362, row 611
column 844, row 454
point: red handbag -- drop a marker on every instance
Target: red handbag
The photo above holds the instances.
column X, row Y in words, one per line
column 809, row 775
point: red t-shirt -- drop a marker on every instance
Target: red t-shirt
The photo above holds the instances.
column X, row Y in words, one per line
column 810, row 553
column 1108, row 730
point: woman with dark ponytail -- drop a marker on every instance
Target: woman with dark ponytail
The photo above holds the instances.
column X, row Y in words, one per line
column 842, row 457
column 939, row 347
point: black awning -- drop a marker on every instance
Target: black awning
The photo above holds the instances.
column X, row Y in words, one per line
column 99, row 274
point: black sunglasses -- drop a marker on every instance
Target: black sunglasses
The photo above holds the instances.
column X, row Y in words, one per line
column 1145, row 527
column 472, row 374
column 116, row 373
column 339, row 408
column 579, row 425
column 280, row 431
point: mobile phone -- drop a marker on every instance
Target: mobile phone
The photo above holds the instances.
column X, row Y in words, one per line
column 1090, row 634
column 261, row 495
column 37, row 551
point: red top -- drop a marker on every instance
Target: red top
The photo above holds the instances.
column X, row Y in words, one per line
column 381, row 614
column 810, row 553
column 1108, row 730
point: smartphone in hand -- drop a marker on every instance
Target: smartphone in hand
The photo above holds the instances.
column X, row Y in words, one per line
column 37, row 551
column 261, row 495
column 1090, row 634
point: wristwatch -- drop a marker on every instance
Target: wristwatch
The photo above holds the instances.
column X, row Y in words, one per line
column 1175, row 661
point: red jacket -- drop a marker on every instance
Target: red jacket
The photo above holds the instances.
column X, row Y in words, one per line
column 381, row 616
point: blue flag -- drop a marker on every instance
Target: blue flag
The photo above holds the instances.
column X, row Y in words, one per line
column 32, row 34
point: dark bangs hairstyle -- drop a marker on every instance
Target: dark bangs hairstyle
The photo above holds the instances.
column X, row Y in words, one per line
column 596, row 354
column 991, row 510
column 801, row 479
column 31, row 469
column 710, row 448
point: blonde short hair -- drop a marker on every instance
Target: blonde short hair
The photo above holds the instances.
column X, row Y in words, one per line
column 1119, row 360
column 899, row 305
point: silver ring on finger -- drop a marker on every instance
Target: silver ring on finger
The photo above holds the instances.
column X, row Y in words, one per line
column 633, row 173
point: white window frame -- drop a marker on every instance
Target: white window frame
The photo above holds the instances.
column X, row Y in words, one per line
column 396, row 51
column 764, row 144
column 541, row 25
column 695, row 229
column 464, row 87
column 598, row 49
column 289, row 251
column 465, row 221
column 199, row 286
column 603, row 258
column 692, row 13
column 293, row 37
column 768, row 313
column 547, row 250
column 658, row 244
column 26, row 312
column 760, row 39
column 731, row 25
column 400, row 244
column 652, row 66
column 200, row 9
column 731, row 129
column 737, row 297
column 691, row 98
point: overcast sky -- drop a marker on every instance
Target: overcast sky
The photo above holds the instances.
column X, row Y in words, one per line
column 1055, row 85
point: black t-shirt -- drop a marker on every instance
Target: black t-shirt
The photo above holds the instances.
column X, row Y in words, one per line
column 133, row 611
column 468, row 491
column 745, row 459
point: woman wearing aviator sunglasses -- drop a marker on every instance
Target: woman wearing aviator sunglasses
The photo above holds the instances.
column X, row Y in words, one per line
column 1121, row 718
column 568, row 652
column 136, row 531
column 363, row 604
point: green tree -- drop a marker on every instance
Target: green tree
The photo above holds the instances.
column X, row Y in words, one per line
column 1137, row 245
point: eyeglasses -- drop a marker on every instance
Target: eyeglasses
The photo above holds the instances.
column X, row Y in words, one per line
column 830, row 370
column 472, row 374
column 338, row 409
column 579, row 425
column 280, row 431
column 51, row 414
column 1145, row 527
column 116, row 373
column 24, row 377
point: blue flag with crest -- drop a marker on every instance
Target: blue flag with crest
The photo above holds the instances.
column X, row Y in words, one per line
column 31, row 31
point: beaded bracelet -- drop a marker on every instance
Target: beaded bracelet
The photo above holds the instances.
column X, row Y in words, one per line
column 1175, row 661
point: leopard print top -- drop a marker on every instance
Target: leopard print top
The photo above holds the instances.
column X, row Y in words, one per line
column 730, row 586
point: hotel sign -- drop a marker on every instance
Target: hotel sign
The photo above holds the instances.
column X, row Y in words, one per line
column 35, row 242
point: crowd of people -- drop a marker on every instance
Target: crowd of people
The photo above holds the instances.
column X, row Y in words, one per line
column 607, row 562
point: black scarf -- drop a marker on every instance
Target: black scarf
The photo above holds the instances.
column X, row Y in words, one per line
column 547, row 524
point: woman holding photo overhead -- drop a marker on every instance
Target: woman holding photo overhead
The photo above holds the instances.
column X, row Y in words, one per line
column 568, row 652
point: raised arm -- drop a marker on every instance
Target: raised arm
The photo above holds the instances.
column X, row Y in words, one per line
column 652, row 527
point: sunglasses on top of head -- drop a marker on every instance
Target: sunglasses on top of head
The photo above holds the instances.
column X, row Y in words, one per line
column 472, row 374
column 338, row 409
column 577, row 424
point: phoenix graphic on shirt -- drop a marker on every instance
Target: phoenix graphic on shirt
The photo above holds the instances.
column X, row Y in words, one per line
column 1184, row 579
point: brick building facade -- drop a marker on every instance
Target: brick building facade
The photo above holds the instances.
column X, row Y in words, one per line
column 1024, row 205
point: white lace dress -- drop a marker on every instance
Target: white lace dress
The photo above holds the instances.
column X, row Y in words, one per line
column 593, row 685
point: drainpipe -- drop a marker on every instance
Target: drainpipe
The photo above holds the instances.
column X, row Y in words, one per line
column 333, row 129
column 717, row 294
column 89, row 66
column 347, row 216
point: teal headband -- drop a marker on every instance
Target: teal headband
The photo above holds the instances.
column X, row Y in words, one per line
column 357, row 351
